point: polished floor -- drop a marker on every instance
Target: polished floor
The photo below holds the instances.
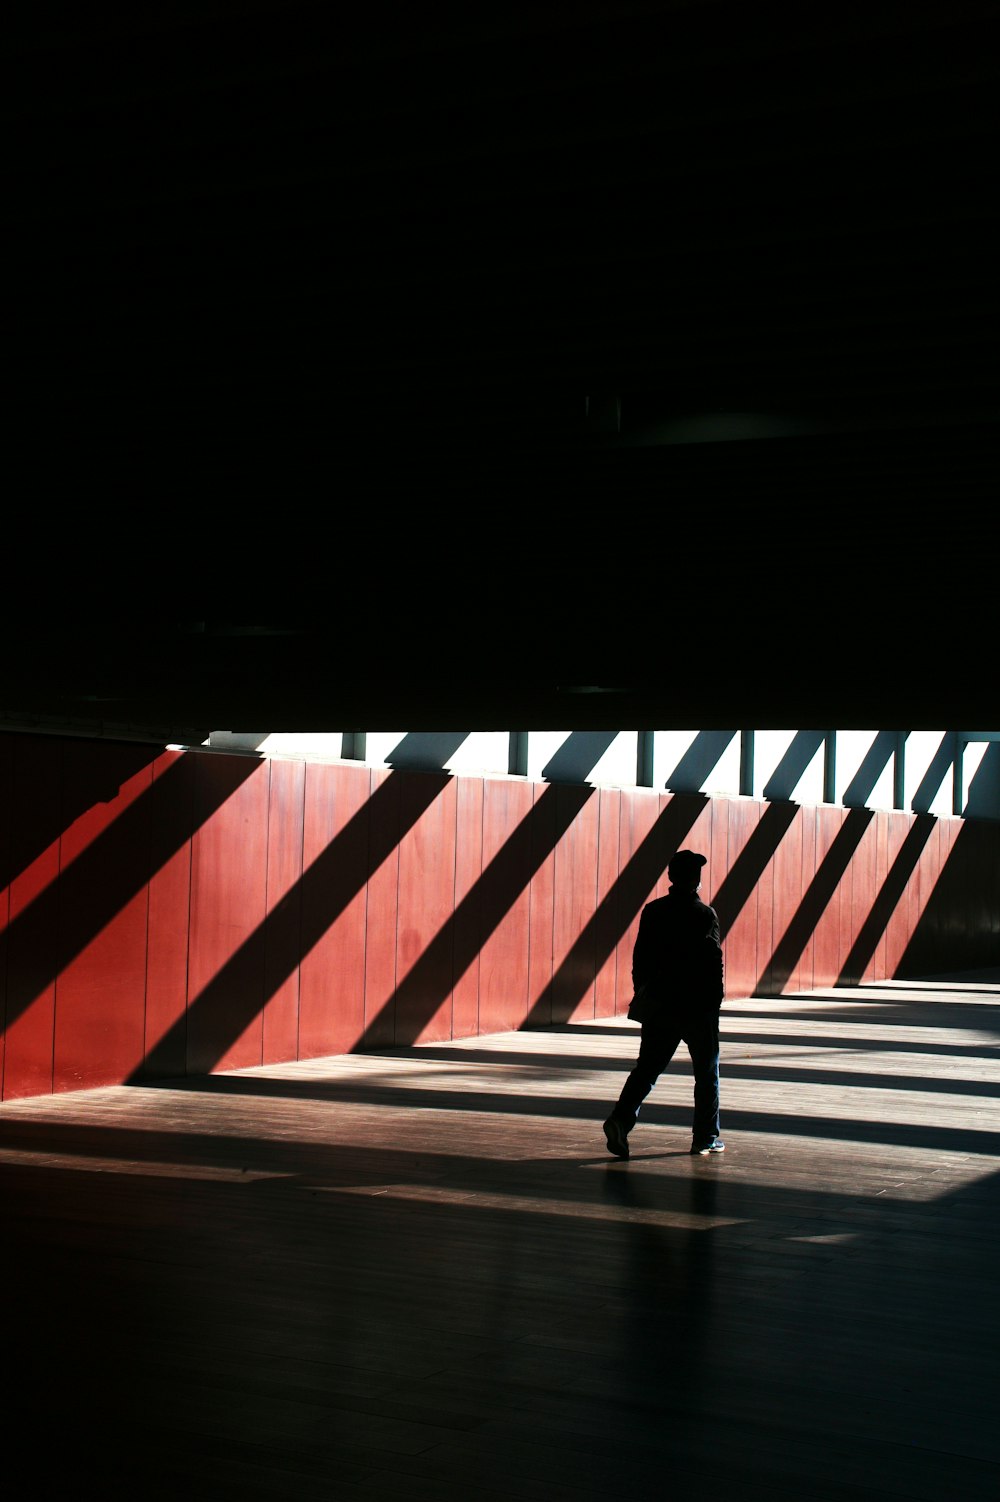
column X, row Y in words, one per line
column 419, row 1275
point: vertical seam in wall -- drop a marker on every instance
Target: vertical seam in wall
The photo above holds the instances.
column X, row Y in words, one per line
column 298, row 939
column 192, row 809
column 368, row 873
column 479, row 927
column 8, row 805
column 454, row 906
column 267, row 868
column 531, row 910
column 613, row 916
column 148, row 889
column 58, row 922
column 597, row 899
column 554, row 856
column 395, row 943
column 554, row 906
column 390, row 773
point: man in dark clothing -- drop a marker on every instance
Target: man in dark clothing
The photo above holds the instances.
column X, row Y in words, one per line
column 677, row 964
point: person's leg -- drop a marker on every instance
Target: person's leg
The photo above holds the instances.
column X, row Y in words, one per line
column 703, row 1046
column 656, row 1048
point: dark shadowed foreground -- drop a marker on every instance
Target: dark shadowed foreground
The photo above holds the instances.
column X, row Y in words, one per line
column 418, row 1275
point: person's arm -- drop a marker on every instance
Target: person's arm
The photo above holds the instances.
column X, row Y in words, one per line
column 716, row 965
column 641, row 952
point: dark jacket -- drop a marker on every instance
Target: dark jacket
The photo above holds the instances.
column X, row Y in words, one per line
column 678, row 953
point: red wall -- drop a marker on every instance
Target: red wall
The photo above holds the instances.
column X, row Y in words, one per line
column 168, row 913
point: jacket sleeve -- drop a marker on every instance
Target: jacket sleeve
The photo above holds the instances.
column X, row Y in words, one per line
column 641, row 952
column 715, row 964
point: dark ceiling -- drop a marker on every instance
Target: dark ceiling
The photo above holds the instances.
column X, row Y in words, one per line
column 437, row 367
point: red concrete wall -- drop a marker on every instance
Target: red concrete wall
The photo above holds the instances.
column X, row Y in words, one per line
column 168, row 913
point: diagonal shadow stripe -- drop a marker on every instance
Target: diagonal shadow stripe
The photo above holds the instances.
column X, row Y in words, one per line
column 941, row 763
column 956, row 928
column 478, row 915
column 620, row 905
column 426, row 750
column 983, row 798
column 752, row 862
column 886, row 900
column 877, row 758
column 791, row 768
column 788, row 951
column 579, row 754
column 51, row 817
column 699, row 760
column 231, row 1000
column 88, row 895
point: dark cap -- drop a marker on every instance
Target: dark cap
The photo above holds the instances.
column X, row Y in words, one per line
column 686, row 863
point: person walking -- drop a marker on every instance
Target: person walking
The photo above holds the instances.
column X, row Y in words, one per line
column 678, row 976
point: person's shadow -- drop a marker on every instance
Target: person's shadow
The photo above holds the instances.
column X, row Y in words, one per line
column 669, row 1284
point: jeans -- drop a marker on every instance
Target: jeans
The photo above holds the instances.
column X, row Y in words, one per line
column 659, row 1043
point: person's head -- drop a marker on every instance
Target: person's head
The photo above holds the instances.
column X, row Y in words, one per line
column 684, row 870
